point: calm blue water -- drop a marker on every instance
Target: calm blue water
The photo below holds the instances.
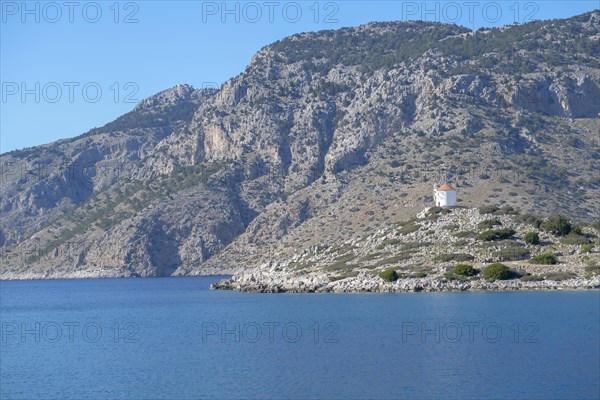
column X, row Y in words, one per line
column 172, row 338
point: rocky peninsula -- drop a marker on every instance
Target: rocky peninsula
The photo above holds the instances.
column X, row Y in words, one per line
column 265, row 282
column 441, row 250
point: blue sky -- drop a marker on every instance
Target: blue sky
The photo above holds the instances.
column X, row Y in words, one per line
column 66, row 67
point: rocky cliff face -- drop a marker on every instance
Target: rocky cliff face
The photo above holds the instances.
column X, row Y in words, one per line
column 325, row 136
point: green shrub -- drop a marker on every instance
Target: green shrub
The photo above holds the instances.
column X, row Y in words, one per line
column 497, row 271
column 435, row 210
column 557, row 225
column 586, row 248
column 596, row 225
column 409, row 228
column 576, row 230
column 465, row 270
column 506, row 210
column 512, row 254
column 574, row 239
column 559, row 276
column 458, row 257
column 588, row 261
column 498, row 234
column 529, row 219
column 544, row 259
column 488, row 224
column 349, row 274
column 592, row 270
column 532, row 238
column 389, row 275
column 488, row 209
column 451, row 276
column 487, row 236
column 504, row 233
column 531, row 278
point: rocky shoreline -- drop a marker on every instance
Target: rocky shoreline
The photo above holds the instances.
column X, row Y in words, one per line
column 105, row 273
column 277, row 282
column 320, row 283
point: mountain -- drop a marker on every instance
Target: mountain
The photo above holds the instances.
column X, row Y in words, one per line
column 325, row 137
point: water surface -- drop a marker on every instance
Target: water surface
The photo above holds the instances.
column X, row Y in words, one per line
column 172, row 338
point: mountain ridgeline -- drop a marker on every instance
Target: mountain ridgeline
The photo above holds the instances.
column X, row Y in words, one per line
column 325, row 136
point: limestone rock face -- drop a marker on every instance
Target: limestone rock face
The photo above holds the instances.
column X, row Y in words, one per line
column 325, row 136
column 573, row 96
column 188, row 229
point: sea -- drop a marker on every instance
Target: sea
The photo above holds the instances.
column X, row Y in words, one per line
column 173, row 338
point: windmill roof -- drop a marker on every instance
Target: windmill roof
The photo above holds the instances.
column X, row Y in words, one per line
column 445, row 187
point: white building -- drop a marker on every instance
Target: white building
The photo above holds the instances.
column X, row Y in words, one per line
column 444, row 196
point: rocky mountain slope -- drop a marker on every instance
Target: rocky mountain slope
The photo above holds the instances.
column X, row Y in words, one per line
column 325, row 137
